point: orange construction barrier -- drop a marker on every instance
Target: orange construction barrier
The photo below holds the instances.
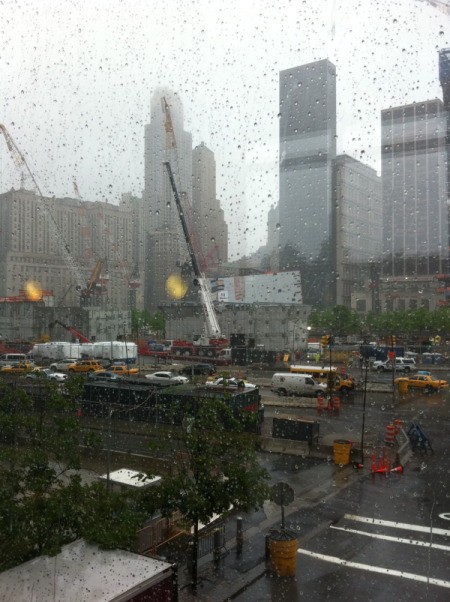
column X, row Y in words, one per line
column 373, row 463
column 389, row 437
column 336, row 403
column 320, row 404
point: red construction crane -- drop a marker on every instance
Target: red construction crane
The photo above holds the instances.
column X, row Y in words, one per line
column 72, row 330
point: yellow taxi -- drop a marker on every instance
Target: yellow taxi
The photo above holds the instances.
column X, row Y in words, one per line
column 422, row 381
column 85, row 366
column 19, row 368
column 123, row 370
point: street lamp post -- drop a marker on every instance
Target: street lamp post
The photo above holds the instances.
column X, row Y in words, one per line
column 366, row 370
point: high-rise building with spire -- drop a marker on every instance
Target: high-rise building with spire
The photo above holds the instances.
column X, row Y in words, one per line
column 165, row 246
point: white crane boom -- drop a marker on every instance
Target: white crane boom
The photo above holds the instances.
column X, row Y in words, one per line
column 211, row 323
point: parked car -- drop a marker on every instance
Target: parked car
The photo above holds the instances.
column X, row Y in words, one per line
column 48, row 373
column 163, row 378
column 425, row 382
column 62, row 364
column 104, row 375
column 198, row 370
column 402, row 364
column 85, row 366
column 230, row 382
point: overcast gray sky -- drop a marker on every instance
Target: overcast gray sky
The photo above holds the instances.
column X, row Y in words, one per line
column 77, row 77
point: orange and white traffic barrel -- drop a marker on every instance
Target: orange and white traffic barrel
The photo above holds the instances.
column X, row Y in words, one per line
column 389, row 437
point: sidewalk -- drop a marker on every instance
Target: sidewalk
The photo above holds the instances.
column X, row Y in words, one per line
column 236, row 571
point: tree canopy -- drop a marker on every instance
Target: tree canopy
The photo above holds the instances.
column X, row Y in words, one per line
column 43, row 501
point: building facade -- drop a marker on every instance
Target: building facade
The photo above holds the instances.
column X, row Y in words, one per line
column 415, row 212
column 357, row 199
column 57, row 243
column 307, row 152
column 444, row 78
column 209, row 226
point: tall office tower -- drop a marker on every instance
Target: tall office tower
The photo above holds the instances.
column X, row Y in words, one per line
column 413, row 169
column 165, row 246
column 444, row 78
column 357, row 190
column 208, row 217
column 307, row 153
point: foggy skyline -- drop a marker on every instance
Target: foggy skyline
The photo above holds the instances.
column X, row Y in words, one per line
column 78, row 78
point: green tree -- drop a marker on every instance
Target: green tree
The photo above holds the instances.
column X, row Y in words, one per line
column 216, row 470
column 143, row 320
column 43, row 503
column 157, row 324
column 337, row 320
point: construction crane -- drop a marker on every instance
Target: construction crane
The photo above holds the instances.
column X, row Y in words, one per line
column 94, row 285
column 212, row 328
column 21, row 162
column 212, row 341
column 72, row 331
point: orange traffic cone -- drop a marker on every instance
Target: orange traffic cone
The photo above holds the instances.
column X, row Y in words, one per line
column 397, row 469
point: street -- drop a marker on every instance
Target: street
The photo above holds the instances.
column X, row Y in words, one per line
column 382, row 538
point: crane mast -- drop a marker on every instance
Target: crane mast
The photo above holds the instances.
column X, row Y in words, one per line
column 211, row 322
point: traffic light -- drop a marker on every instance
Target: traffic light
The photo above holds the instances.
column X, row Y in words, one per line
column 393, row 340
column 324, row 340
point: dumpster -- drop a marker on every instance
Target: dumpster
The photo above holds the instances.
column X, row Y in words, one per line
column 283, row 552
column 341, row 449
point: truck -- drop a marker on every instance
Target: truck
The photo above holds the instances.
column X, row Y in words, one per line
column 211, row 343
column 125, row 351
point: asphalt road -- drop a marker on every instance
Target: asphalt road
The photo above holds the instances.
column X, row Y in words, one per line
column 382, row 538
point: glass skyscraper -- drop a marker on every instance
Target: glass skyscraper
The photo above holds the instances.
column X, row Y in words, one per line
column 415, row 213
column 307, row 154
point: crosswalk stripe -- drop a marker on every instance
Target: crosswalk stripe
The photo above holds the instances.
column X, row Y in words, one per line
column 414, row 542
column 389, row 523
column 375, row 569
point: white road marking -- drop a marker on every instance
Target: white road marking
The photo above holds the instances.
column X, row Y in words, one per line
column 413, row 542
column 389, row 523
column 376, row 569
column 445, row 515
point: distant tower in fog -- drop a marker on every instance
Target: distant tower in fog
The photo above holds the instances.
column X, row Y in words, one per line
column 209, row 222
column 165, row 246
column 307, row 152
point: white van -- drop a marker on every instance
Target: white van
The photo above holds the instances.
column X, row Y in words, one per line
column 287, row 383
column 12, row 358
